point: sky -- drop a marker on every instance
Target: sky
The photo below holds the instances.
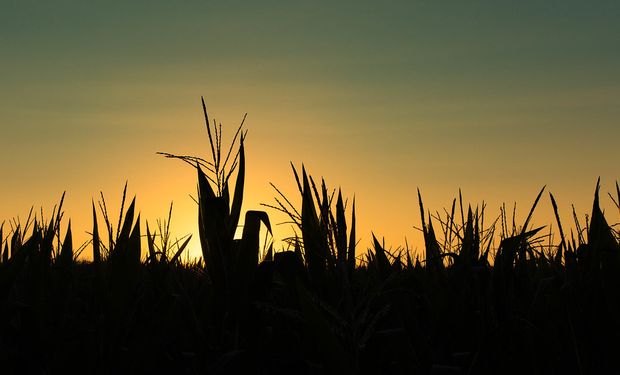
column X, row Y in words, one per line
column 497, row 98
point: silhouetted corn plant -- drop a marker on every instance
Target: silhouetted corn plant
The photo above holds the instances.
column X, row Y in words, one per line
column 327, row 245
column 524, row 306
column 230, row 263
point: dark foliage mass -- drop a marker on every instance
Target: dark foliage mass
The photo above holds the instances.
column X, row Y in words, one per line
column 468, row 307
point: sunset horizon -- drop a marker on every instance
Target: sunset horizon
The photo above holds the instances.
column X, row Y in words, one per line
column 326, row 187
column 497, row 101
column 184, row 211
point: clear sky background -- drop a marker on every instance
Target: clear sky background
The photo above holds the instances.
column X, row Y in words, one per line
column 497, row 98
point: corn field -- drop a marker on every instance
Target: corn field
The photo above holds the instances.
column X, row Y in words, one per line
column 468, row 305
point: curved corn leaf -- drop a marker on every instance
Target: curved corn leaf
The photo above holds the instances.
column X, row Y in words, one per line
column 250, row 247
column 600, row 235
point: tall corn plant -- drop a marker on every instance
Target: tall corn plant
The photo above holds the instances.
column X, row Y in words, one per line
column 598, row 248
column 230, row 263
column 327, row 243
column 465, row 245
column 599, row 256
column 327, row 249
column 36, row 271
column 218, row 214
column 117, row 275
column 37, row 251
column 123, row 252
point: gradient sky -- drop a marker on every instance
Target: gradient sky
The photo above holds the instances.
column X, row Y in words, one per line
column 497, row 98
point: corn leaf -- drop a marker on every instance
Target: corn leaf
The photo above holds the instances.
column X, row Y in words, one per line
column 341, row 230
column 315, row 245
column 383, row 264
column 562, row 246
column 352, row 242
column 180, row 250
column 600, row 235
column 66, row 253
column 235, row 210
column 134, row 250
column 529, row 215
column 96, row 240
column 212, row 231
column 150, row 241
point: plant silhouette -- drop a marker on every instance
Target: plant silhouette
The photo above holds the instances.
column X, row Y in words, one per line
column 322, row 305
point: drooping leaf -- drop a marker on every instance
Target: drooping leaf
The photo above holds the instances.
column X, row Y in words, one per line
column 204, row 188
column 247, row 259
column 251, row 234
column 511, row 246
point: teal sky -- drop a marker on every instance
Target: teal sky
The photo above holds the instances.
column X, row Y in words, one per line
column 497, row 98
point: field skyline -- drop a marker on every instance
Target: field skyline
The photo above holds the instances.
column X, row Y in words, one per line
column 402, row 106
column 495, row 99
